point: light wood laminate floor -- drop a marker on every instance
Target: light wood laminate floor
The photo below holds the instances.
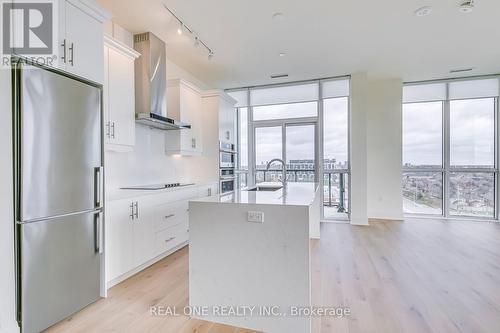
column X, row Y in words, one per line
column 415, row 276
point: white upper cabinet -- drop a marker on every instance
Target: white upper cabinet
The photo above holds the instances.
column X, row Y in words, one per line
column 224, row 106
column 118, row 95
column 227, row 119
column 81, row 39
column 184, row 104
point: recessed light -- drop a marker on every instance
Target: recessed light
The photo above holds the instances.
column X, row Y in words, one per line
column 282, row 54
column 466, row 6
column 278, row 16
column 423, row 11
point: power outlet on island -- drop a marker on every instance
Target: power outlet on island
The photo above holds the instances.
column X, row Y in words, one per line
column 256, row 217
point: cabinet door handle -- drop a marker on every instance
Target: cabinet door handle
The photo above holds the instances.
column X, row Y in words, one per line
column 193, row 142
column 170, row 239
column 113, row 130
column 72, row 53
column 169, row 216
column 132, row 210
column 63, row 58
column 136, row 210
column 108, row 131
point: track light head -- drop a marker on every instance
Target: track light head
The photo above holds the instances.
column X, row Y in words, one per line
column 210, row 55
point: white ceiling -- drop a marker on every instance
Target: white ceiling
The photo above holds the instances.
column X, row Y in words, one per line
column 321, row 38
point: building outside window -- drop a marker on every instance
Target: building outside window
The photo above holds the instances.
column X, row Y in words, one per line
column 450, row 165
column 306, row 125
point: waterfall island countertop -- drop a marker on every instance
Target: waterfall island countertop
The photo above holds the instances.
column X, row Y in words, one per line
column 293, row 194
column 252, row 248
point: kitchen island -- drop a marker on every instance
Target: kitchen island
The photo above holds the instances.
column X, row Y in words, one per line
column 250, row 256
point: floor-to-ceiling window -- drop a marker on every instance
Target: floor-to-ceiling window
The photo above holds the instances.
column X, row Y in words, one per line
column 450, row 165
column 304, row 124
column 336, row 169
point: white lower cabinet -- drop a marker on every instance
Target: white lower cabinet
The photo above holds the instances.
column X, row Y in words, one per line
column 119, row 238
column 171, row 214
column 171, row 237
column 141, row 229
column 207, row 190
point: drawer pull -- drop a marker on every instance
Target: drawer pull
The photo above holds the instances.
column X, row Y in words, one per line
column 170, row 239
column 169, row 216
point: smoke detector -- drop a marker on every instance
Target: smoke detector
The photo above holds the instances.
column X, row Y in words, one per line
column 466, row 6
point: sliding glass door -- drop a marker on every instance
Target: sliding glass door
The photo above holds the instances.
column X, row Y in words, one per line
column 305, row 124
column 268, row 146
column 292, row 143
column 300, row 152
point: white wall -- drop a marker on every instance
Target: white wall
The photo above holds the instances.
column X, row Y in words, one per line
column 359, row 88
column 148, row 163
column 384, row 147
column 7, row 282
column 376, row 149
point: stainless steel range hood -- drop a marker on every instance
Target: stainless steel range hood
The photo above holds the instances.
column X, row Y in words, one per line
column 150, row 84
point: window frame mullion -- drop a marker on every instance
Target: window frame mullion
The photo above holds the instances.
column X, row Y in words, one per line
column 446, row 153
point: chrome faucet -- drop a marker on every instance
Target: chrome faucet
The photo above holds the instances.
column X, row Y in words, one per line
column 283, row 179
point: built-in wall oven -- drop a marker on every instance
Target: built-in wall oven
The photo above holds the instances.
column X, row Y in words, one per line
column 227, row 164
column 227, row 186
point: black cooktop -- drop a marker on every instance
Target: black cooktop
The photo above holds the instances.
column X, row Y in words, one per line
column 154, row 186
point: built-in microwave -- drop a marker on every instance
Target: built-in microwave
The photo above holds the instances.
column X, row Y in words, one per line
column 227, row 147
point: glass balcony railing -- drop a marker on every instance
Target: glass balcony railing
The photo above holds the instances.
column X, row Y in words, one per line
column 335, row 187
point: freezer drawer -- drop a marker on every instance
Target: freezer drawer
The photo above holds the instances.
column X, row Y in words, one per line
column 60, row 269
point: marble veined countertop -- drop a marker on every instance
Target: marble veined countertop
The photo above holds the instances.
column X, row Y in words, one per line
column 293, row 194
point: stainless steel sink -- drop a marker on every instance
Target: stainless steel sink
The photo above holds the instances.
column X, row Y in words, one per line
column 264, row 189
column 266, row 186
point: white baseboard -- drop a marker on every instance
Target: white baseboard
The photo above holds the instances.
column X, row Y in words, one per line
column 136, row 270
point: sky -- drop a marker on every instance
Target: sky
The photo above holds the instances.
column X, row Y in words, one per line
column 300, row 139
column 471, row 133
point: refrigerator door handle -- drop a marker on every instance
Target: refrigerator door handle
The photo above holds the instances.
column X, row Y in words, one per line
column 98, row 233
column 98, row 186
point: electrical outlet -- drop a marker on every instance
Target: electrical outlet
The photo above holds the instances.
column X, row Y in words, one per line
column 257, row 217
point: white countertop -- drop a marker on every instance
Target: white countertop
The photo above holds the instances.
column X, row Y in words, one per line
column 119, row 193
column 295, row 194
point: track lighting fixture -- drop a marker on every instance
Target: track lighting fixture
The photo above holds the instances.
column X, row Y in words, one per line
column 197, row 40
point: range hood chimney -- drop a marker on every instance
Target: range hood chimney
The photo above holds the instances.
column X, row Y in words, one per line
column 151, row 84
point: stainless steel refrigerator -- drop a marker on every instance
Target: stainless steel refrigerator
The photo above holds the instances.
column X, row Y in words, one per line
column 58, row 159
